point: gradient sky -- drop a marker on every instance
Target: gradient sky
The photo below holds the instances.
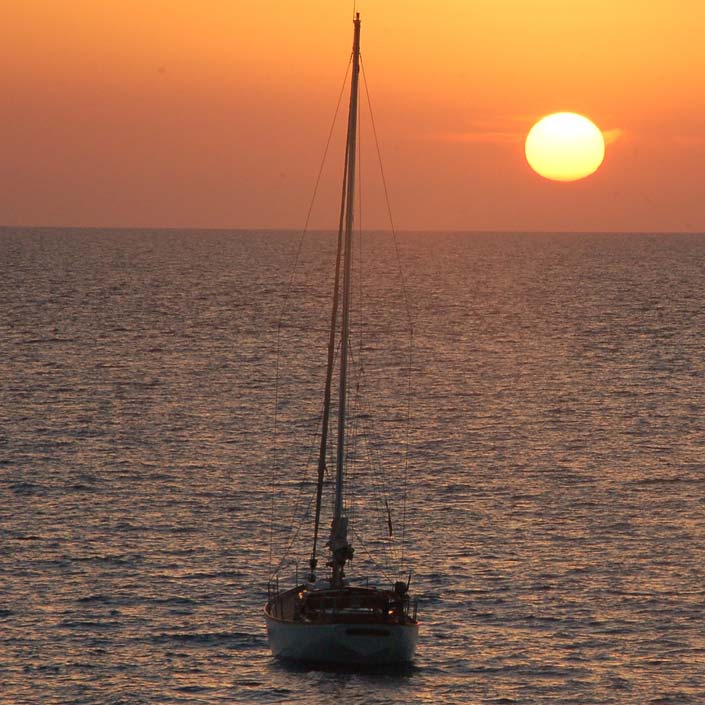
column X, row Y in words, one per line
column 214, row 113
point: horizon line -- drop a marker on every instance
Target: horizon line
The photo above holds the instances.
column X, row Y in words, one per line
column 477, row 231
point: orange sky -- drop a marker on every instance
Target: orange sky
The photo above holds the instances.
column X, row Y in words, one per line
column 214, row 113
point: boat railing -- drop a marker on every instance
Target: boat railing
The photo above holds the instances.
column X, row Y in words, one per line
column 377, row 608
column 334, row 606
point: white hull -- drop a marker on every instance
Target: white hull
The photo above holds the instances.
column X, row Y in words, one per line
column 342, row 643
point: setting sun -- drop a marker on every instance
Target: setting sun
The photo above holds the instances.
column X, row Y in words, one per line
column 174, row 113
column 565, row 147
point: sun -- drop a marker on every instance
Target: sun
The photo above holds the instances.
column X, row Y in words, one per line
column 565, row 147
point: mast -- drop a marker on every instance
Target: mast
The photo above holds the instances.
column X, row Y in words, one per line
column 340, row 548
column 313, row 562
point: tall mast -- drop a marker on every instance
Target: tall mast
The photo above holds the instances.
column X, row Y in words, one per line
column 340, row 548
column 323, row 448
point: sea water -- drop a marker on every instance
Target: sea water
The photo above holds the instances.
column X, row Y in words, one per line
column 545, row 461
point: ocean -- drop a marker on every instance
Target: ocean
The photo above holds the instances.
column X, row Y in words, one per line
column 540, row 436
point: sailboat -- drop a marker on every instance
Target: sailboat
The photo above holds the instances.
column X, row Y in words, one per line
column 329, row 620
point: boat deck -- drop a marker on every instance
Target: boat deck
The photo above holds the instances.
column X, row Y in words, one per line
column 348, row 605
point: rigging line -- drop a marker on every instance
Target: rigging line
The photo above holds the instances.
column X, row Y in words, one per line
column 287, row 294
column 275, row 465
column 377, row 486
column 275, row 451
column 386, row 198
column 407, row 443
column 378, row 498
column 357, row 291
column 315, row 192
column 353, row 456
column 287, row 553
column 379, row 494
column 375, row 465
column 331, row 444
column 360, row 269
column 357, row 268
column 300, row 524
column 292, row 522
column 295, row 510
column 362, row 420
column 371, row 558
column 406, row 301
column 330, row 366
column 351, row 462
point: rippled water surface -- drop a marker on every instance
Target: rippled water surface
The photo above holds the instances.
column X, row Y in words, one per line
column 555, row 492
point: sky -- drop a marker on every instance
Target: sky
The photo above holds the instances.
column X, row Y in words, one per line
column 215, row 113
